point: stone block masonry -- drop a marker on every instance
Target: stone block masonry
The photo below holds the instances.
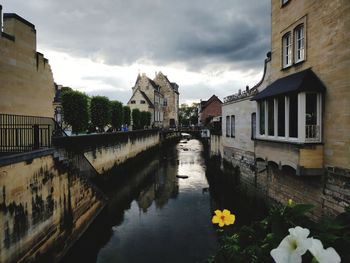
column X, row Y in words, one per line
column 329, row 193
column 45, row 206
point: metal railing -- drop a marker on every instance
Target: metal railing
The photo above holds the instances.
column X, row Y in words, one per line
column 312, row 133
column 19, row 133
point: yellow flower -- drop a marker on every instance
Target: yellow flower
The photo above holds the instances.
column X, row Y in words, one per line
column 223, row 218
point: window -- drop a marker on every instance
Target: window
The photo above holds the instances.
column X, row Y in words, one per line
column 165, row 102
column 311, row 129
column 253, row 125
column 271, row 117
column 142, row 102
column 284, row 2
column 132, row 102
column 299, row 43
column 287, row 50
column 281, row 116
column 233, row 131
column 262, row 117
column 227, row 126
column 293, row 116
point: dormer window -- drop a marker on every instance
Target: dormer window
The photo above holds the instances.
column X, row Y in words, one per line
column 287, row 50
column 299, row 43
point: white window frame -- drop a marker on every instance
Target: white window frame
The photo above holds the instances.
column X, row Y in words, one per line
column 301, row 120
column 299, row 43
column 287, row 47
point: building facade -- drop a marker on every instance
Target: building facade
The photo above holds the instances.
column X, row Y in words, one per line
column 208, row 109
column 160, row 97
column 301, row 145
column 27, row 85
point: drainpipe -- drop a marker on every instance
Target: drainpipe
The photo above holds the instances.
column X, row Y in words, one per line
column 0, row 20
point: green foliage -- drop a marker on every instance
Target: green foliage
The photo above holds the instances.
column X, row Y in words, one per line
column 136, row 119
column 117, row 114
column 75, row 110
column 127, row 115
column 188, row 115
column 253, row 243
column 145, row 118
column 100, row 112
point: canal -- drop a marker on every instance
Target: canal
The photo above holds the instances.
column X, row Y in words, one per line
column 156, row 214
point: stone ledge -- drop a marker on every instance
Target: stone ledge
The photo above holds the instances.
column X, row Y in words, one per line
column 25, row 157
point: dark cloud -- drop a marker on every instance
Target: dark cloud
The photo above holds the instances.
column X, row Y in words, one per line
column 119, row 32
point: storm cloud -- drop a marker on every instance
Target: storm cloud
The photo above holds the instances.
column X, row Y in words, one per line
column 192, row 33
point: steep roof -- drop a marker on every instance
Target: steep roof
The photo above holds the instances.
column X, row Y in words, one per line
column 147, row 99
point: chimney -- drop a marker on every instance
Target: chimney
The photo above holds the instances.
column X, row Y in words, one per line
column 247, row 88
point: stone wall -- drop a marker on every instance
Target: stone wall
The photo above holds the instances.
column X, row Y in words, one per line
column 330, row 194
column 107, row 157
column 216, row 147
column 44, row 207
column 27, row 86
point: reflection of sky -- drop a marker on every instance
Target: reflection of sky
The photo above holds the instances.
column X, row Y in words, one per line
column 178, row 231
column 191, row 164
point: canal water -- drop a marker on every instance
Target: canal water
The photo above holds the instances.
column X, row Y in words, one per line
column 161, row 210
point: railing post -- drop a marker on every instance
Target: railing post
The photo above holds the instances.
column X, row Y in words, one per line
column 35, row 137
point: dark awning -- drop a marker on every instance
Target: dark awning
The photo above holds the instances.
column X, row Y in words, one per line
column 305, row 80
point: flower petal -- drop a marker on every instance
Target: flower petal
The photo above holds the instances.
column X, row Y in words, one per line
column 221, row 223
column 229, row 220
column 328, row 255
column 218, row 213
column 215, row 220
column 226, row 212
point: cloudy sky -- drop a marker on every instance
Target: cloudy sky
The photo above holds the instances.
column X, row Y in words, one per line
column 206, row 46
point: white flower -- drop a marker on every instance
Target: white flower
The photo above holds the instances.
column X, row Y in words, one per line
column 322, row 255
column 293, row 246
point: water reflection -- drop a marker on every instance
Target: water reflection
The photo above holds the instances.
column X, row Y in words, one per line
column 155, row 216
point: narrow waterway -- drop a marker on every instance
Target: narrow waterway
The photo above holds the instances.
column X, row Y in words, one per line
column 155, row 216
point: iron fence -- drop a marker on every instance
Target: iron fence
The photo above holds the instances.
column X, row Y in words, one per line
column 19, row 133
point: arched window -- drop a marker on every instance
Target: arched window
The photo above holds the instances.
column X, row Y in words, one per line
column 287, row 50
column 299, row 34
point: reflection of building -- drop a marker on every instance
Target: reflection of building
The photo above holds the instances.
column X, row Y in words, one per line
column 160, row 97
column 208, row 109
column 27, row 86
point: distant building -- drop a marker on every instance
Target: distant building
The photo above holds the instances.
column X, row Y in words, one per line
column 26, row 80
column 208, row 109
column 160, row 97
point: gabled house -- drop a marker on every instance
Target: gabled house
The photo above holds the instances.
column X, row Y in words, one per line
column 208, row 109
column 147, row 97
column 170, row 90
column 158, row 96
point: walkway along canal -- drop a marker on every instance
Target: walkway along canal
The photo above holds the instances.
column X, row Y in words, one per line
column 154, row 215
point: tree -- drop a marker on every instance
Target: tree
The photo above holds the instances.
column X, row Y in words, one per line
column 127, row 115
column 136, row 119
column 100, row 112
column 75, row 110
column 188, row 115
column 145, row 118
column 117, row 114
